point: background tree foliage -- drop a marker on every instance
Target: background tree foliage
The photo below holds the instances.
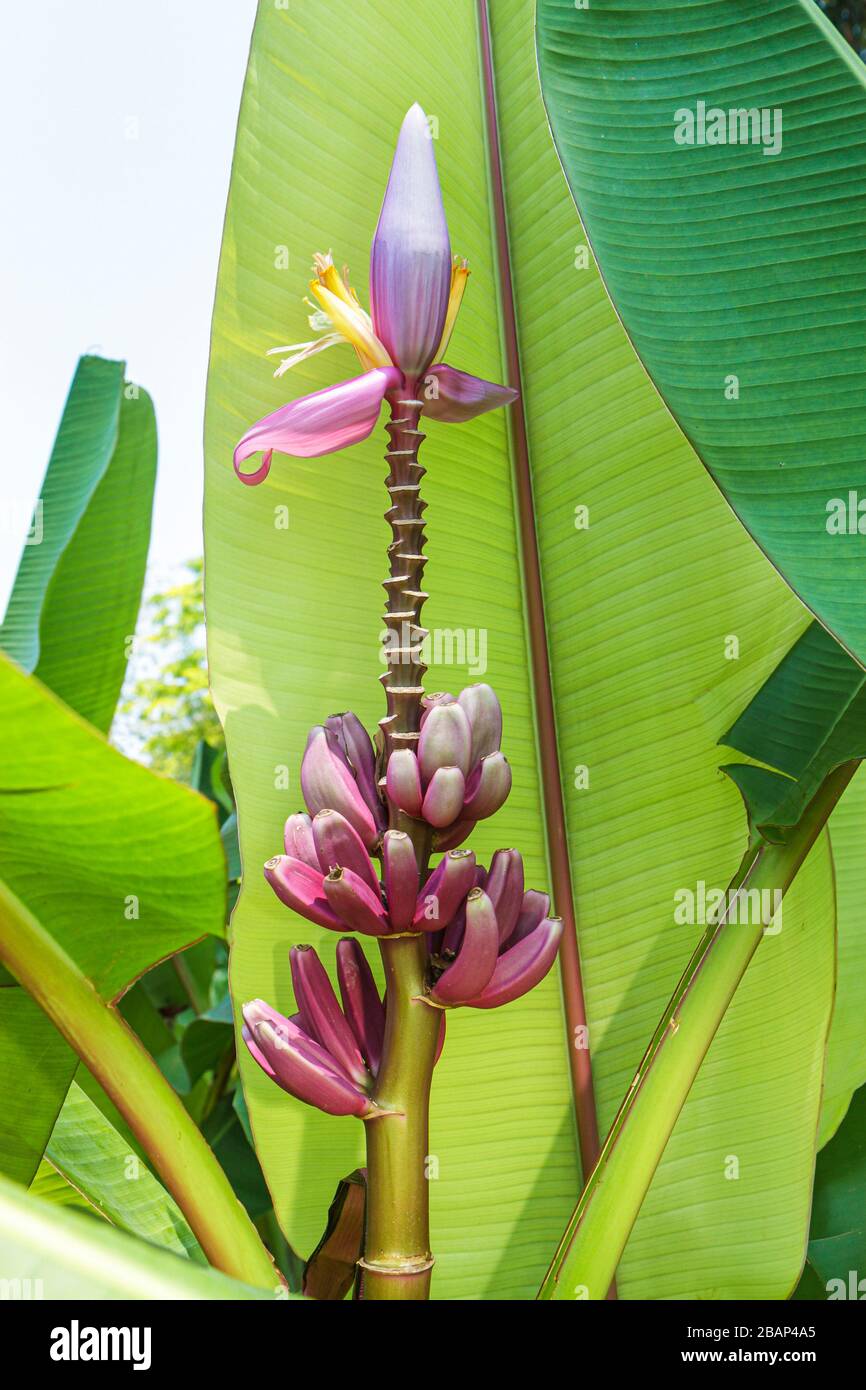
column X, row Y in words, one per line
column 166, row 709
column 849, row 20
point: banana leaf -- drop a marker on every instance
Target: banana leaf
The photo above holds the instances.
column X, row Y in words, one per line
column 123, row 867
column 55, row 1253
column 94, row 1158
column 662, row 618
column 73, row 608
column 716, row 154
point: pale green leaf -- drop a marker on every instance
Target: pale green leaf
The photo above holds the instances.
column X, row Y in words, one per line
column 82, row 452
column 51, row 1186
column 641, row 607
column 123, row 867
column 91, row 606
column 50, row 1253
column 96, row 1160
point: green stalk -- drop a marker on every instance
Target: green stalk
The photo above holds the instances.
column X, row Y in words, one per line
column 144, row 1098
column 397, row 1261
column 601, row 1223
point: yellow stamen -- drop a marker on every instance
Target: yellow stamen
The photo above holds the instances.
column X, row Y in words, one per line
column 329, row 276
column 459, row 276
column 354, row 325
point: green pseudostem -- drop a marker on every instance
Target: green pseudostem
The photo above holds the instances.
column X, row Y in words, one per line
column 129, row 1075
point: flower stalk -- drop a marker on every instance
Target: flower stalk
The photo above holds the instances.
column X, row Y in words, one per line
column 397, row 1262
column 403, row 679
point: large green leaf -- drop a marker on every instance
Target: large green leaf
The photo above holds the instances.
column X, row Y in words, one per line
column 82, row 451
column 738, row 268
column 91, row 606
column 846, row 1048
column 37, row 1069
column 51, row 1186
column 57, row 1254
column 96, row 1160
column 74, row 603
column 122, row 866
column 837, row 1237
column 657, row 638
column 808, row 718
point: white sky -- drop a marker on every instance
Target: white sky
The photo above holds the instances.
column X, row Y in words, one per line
column 118, row 122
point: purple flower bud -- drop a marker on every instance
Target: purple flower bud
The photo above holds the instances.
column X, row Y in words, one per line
column 401, row 878
column 446, row 741
column 403, row 780
column 428, row 702
column 321, row 1016
column 357, row 906
column 302, row 888
column 453, row 835
column 505, row 889
column 536, row 906
column 520, row 967
column 443, row 799
column 357, row 748
column 445, row 890
column 475, row 962
column 298, row 839
column 299, row 1064
column 485, row 718
column 410, row 260
column 328, row 785
column 453, row 933
column 488, row 787
column 361, row 1003
column 339, row 846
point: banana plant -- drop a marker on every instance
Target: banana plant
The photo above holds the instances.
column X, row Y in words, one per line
column 141, row 872
column 666, row 717
column 582, row 562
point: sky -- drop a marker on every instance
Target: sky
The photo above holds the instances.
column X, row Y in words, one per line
column 119, row 121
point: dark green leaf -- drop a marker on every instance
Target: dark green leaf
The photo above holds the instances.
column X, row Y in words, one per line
column 207, row 1039
column 91, row 605
column 225, row 1134
column 808, row 718
column 121, row 866
column 837, row 1237
column 82, row 450
column 738, row 266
